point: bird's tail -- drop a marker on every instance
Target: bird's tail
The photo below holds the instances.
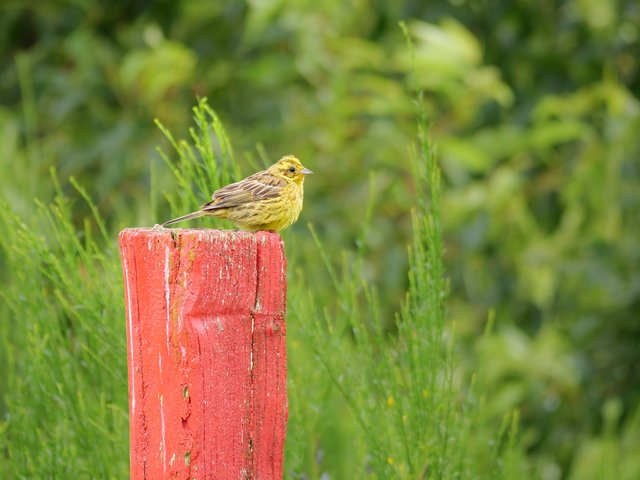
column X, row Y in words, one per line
column 189, row 216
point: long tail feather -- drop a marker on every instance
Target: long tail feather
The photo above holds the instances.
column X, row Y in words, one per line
column 189, row 216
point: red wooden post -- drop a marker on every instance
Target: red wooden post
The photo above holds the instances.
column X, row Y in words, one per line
column 207, row 353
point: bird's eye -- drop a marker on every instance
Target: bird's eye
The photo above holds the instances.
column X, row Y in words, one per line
column 292, row 169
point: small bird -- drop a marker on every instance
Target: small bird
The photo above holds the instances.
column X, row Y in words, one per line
column 267, row 200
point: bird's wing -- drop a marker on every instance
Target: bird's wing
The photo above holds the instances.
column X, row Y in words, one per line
column 259, row 186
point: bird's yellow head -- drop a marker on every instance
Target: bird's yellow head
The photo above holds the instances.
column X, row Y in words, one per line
column 289, row 168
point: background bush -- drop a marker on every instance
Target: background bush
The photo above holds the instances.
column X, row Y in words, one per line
column 535, row 113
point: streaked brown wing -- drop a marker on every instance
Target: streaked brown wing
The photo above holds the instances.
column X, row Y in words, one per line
column 258, row 186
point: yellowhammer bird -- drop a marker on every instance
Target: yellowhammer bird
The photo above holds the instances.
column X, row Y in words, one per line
column 267, row 200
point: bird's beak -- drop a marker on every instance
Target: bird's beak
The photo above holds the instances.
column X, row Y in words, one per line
column 305, row 171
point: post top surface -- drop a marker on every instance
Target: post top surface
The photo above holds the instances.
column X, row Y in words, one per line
column 201, row 233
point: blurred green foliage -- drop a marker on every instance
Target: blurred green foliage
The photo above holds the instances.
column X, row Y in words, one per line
column 535, row 111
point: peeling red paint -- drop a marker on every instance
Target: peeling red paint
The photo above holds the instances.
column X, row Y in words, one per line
column 207, row 353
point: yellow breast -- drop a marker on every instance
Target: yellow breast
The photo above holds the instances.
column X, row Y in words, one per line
column 273, row 214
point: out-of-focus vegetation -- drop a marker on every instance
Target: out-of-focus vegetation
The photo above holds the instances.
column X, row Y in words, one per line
column 535, row 112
